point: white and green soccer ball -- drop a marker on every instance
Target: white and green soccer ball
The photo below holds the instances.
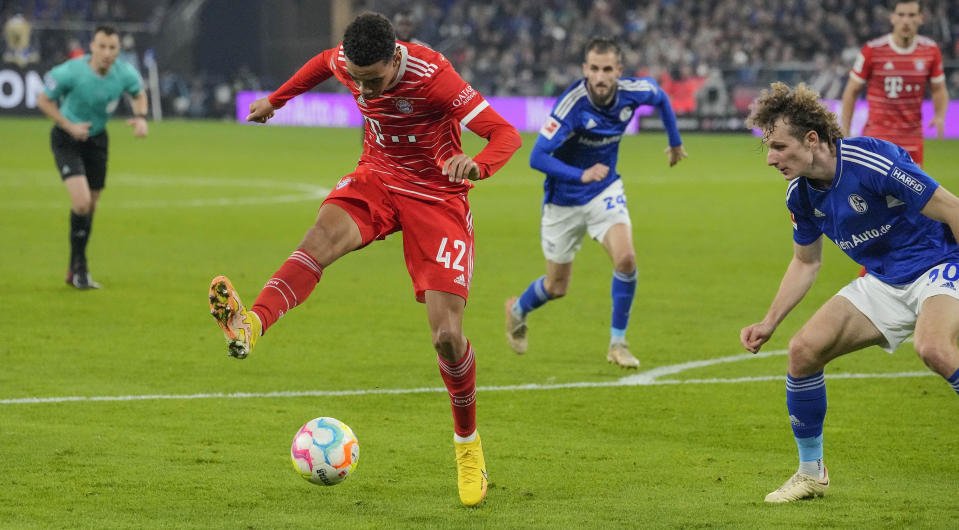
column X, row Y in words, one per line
column 325, row 451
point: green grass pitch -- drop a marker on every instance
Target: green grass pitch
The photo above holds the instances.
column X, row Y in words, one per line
column 567, row 442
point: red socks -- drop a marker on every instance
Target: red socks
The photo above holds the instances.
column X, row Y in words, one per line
column 289, row 287
column 460, row 379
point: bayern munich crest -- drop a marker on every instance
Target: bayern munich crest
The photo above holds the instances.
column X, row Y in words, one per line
column 404, row 106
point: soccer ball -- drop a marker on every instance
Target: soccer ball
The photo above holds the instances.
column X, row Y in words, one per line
column 325, row 451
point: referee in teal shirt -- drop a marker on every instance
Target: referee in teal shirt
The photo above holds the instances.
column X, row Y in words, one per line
column 80, row 96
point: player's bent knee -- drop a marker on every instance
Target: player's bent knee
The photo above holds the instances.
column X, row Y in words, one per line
column 556, row 291
column 938, row 355
column 82, row 207
column 804, row 357
column 626, row 264
column 324, row 244
column 445, row 341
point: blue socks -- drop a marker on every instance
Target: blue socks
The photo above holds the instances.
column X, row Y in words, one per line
column 622, row 292
column 533, row 297
column 954, row 381
column 806, row 403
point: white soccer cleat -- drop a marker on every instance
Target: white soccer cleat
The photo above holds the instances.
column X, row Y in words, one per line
column 515, row 329
column 619, row 354
column 800, row 486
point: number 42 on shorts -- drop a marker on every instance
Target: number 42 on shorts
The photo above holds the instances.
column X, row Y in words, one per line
column 443, row 256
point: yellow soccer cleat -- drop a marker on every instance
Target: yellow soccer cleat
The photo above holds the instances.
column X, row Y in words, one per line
column 619, row 354
column 240, row 327
column 800, row 486
column 471, row 471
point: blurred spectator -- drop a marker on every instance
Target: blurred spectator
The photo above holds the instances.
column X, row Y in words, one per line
column 75, row 49
column 128, row 51
column 405, row 24
column 711, row 54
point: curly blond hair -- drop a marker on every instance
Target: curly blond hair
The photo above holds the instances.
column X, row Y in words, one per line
column 799, row 108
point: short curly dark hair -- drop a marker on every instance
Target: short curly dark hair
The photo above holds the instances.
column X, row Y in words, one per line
column 800, row 109
column 369, row 39
column 603, row 45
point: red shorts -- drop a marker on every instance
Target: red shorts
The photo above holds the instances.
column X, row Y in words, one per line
column 911, row 143
column 437, row 234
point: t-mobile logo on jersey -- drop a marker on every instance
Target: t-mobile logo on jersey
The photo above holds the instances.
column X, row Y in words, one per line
column 893, row 86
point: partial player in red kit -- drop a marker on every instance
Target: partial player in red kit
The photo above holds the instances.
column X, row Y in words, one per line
column 412, row 177
column 896, row 68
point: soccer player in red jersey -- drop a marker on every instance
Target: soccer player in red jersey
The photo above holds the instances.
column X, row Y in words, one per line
column 896, row 68
column 412, row 177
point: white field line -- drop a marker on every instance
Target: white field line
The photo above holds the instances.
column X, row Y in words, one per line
column 648, row 378
column 294, row 191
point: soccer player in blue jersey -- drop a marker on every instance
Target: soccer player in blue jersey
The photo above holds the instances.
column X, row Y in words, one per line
column 577, row 148
column 871, row 199
column 80, row 96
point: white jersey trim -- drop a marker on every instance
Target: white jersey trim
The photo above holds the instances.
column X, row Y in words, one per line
column 791, row 189
column 640, row 85
column 903, row 51
column 852, row 156
column 566, row 104
column 479, row 108
column 404, row 190
column 877, row 156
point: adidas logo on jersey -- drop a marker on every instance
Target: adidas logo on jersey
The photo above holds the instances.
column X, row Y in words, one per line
column 460, row 280
column 591, row 123
column 817, row 213
column 795, row 421
column 888, row 66
column 949, row 285
column 892, row 202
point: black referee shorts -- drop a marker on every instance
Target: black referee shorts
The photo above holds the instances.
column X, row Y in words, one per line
column 81, row 158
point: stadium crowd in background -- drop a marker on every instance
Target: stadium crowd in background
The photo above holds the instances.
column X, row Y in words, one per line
column 529, row 48
column 709, row 55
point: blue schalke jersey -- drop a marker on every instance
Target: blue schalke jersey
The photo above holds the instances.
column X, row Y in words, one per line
column 871, row 211
column 578, row 135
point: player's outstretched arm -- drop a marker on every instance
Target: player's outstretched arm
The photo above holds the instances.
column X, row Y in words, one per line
column 261, row 110
column 314, row 72
column 676, row 153
column 796, row 282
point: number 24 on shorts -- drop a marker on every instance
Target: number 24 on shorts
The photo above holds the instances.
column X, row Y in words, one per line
column 611, row 202
column 443, row 256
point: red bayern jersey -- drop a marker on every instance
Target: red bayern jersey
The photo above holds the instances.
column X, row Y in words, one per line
column 897, row 80
column 414, row 126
